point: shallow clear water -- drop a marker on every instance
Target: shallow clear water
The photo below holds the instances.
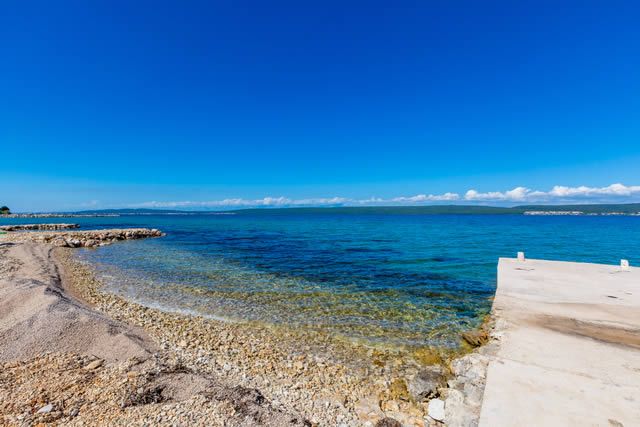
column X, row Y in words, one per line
column 391, row 279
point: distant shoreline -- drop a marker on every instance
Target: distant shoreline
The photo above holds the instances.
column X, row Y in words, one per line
column 628, row 209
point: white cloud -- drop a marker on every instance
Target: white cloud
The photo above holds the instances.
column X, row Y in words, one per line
column 474, row 195
column 613, row 193
column 426, row 198
column 239, row 203
column 321, row 201
column 582, row 191
column 558, row 194
column 517, row 194
column 370, row 201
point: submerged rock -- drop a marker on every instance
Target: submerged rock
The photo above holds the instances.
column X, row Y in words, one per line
column 398, row 390
column 476, row 338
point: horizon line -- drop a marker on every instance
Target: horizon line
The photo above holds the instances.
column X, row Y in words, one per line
column 331, row 207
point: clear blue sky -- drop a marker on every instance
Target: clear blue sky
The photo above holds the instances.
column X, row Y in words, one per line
column 125, row 103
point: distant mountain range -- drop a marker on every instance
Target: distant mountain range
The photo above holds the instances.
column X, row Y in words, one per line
column 590, row 209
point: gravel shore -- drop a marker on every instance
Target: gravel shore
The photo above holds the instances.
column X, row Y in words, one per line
column 207, row 372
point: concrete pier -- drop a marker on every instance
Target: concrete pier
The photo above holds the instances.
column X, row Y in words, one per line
column 569, row 348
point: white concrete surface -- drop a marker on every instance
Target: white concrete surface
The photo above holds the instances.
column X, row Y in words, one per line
column 569, row 354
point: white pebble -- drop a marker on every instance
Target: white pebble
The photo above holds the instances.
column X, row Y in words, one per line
column 436, row 409
column 45, row 409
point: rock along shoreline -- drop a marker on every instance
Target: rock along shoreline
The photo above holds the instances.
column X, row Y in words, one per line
column 84, row 239
column 23, row 227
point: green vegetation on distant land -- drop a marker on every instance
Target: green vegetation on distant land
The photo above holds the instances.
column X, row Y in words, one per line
column 128, row 211
column 398, row 210
column 628, row 208
column 451, row 209
column 4, row 210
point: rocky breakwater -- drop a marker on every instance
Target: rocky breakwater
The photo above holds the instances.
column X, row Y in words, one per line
column 58, row 215
column 25, row 227
column 85, row 239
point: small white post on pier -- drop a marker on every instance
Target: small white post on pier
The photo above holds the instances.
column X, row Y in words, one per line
column 520, row 256
column 624, row 265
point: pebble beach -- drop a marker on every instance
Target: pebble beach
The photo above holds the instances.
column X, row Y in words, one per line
column 201, row 371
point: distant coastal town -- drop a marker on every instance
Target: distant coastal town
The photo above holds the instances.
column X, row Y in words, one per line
column 580, row 213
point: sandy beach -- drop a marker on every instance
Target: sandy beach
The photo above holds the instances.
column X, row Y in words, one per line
column 75, row 355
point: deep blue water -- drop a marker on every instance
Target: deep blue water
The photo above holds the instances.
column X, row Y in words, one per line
column 402, row 279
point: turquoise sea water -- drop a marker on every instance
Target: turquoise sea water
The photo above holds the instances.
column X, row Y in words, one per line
column 389, row 279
